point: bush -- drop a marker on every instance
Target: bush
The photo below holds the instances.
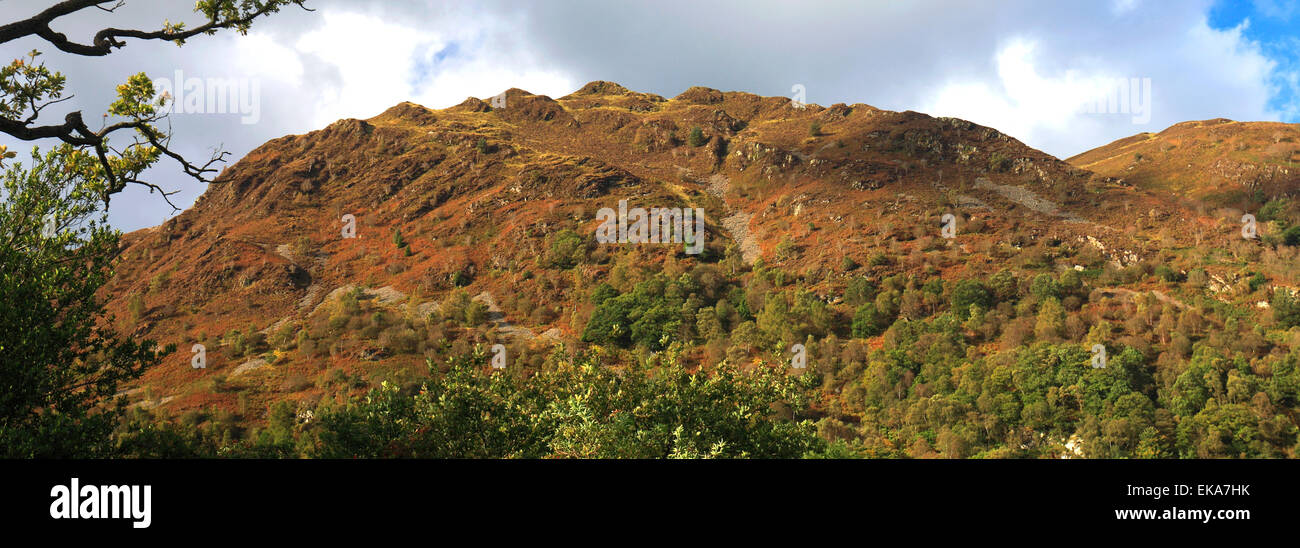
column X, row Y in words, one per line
column 1291, row 236
column 567, row 249
column 302, row 247
column 1257, row 281
column 136, row 306
column 295, row 383
column 697, row 137
column 998, row 162
column 1286, row 310
column 453, row 307
column 1275, row 210
column 399, row 340
column 285, row 337
column 475, row 314
column 786, row 249
column 1165, row 273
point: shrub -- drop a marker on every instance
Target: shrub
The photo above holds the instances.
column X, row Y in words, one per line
column 1275, row 210
column 302, row 247
column 697, row 137
column 350, row 302
column 1291, row 236
column 254, row 341
column 1257, row 281
column 1286, row 311
column 1165, row 273
column 998, row 162
column 567, row 250
column 475, row 314
column 786, row 249
column 136, row 306
column 159, row 282
column 454, row 306
column 217, row 384
column 284, row 338
column 399, row 340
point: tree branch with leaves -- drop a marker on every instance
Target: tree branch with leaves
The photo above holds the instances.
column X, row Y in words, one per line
column 28, row 87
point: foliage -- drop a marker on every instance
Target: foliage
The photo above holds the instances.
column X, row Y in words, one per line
column 60, row 361
column 697, row 138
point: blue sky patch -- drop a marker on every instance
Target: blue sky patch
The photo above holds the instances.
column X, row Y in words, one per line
column 1272, row 24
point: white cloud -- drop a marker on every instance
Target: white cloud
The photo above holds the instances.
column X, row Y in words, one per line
column 377, row 64
column 1022, row 102
column 1040, row 93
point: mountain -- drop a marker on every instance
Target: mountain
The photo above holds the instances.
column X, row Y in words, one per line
column 1218, row 162
column 824, row 226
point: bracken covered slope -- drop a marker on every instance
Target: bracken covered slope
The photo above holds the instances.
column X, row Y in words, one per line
column 498, row 206
column 1220, row 162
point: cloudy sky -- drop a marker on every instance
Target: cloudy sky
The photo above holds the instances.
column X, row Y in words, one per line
column 1063, row 77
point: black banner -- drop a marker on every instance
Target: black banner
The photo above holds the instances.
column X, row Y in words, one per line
column 323, row 498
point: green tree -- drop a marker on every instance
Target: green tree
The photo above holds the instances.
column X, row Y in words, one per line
column 967, row 293
column 859, row 291
column 1051, row 321
column 60, row 362
column 1286, row 309
column 135, row 305
column 868, row 321
column 567, row 250
column 576, row 410
column 1044, row 287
